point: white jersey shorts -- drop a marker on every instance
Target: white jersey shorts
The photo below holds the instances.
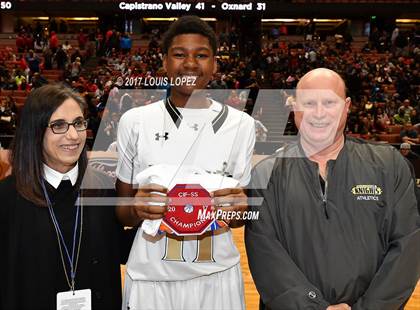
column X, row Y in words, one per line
column 218, row 291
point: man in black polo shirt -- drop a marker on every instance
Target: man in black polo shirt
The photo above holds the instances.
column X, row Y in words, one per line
column 339, row 226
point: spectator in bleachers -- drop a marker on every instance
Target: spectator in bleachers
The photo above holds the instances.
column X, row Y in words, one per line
column 20, row 80
column 368, row 106
column 82, row 39
column 53, row 42
column 223, row 50
column 234, row 52
column 114, row 41
column 253, row 85
column 217, row 82
column 61, row 58
column 38, row 28
column 401, row 118
column 8, row 81
column 121, row 66
column 365, row 126
column 407, row 108
column 113, row 62
column 99, row 43
column 231, row 81
column 39, row 44
column 75, row 69
column 382, row 120
column 66, row 46
column 391, row 107
column 409, row 134
column 403, row 84
column 37, row 81
column 33, row 62
column 48, row 59
column 394, row 36
column 414, row 117
column 7, row 118
column 29, row 41
column 23, row 65
column 125, row 43
column 339, row 41
column 136, row 56
column 11, row 104
column 91, row 44
column 108, row 35
column 92, row 87
column 77, row 54
column 20, row 43
column 405, row 150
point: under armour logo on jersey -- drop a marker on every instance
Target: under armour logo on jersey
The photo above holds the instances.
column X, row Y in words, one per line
column 158, row 136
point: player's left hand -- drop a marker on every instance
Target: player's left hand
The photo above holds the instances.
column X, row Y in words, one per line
column 233, row 200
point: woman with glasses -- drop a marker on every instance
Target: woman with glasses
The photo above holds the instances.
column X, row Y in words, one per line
column 57, row 253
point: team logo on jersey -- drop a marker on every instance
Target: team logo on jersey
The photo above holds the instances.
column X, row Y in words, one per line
column 164, row 136
column 367, row 192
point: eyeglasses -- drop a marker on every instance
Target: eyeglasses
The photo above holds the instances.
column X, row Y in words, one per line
column 61, row 127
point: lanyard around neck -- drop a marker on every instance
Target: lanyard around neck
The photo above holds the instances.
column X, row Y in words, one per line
column 72, row 260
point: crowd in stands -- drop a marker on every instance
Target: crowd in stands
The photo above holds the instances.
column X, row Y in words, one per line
column 383, row 78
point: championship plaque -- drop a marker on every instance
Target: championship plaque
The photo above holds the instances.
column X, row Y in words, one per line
column 188, row 202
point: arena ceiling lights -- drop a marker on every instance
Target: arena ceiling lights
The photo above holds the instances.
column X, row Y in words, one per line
column 171, row 19
column 284, row 20
column 68, row 18
column 301, row 20
column 327, row 20
column 407, row 21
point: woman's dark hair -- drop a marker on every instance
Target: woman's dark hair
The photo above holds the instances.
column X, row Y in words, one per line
column 27, row 146
column 189, row 25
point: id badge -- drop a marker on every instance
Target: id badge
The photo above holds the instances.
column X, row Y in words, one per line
column 77, row 300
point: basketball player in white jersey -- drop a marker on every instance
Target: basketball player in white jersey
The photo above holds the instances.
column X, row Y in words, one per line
column 195, row 272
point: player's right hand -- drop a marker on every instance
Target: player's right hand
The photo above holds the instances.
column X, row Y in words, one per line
column 339, row 307
column 151, row 202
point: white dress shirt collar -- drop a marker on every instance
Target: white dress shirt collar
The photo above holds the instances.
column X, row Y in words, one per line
column 54, row 177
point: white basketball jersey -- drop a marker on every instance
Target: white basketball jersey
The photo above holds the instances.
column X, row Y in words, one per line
column 219, row 140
